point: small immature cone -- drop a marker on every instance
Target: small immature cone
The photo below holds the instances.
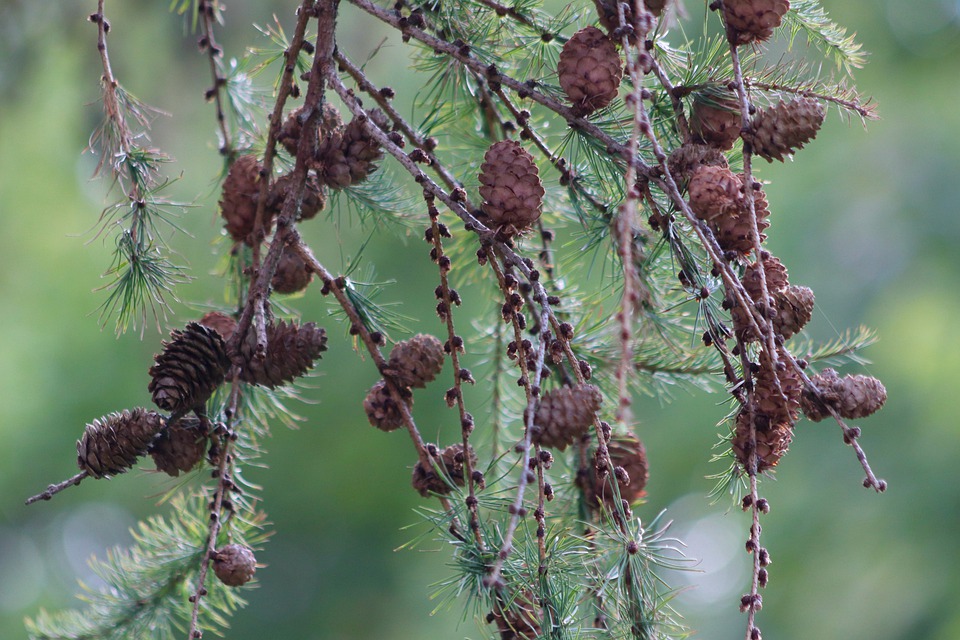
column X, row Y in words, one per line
column 112, row 444
column 189, row 369
column 238, row 200
column 427, row 481
column 852, row 397
column 510, row 187
column 565, row 414
column 417, row 361
column 179, row 447
column 753, row 20
column 781, row 130
column 589, row 70
column 715, row 119
column 291, row 352
column 381, row 409
column 292, row 274
column 234, row 564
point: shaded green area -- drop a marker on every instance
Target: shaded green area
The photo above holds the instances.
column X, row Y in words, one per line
column 868, row 220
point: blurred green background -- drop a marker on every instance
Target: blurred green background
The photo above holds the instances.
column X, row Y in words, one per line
column 869, row 220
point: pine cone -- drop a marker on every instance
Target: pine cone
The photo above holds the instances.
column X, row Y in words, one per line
column 238, row 199
column 589, row 70
column 715, row 118
column 565, row 414
column 314, row 199
column 292, row 274
column 292, row 128
column 715, row 192
column 234, row 564
column 221, row 323
column 189, row 369
column 347, row 157
column 417, row 361
column 510, row 187
column 291, row 352
column 381, row 410
column 753, row 20
column 626, row 451
column 520, row 621
column 426, row 481
column 734, row 231
column 852, row 397
column 771, row 407
column 688, row 157
column 781, row 130
column 772, row 442
column 794, row 306
column 112, row 444
column 180, row 447
column 775, row 272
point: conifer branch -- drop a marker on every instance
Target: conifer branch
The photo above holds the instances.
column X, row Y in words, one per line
column 209, row 14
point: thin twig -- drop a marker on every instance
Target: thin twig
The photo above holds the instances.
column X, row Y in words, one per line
column 54, row 489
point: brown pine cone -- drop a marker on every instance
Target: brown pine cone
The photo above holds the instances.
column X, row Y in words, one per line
column 292, row 274
column 314, row 198
column 417, row 361
column 565, row 414
column 238, row 199
column 427, row 481
column 112, row 444
column 347, row 157
column 688, row 157
column 776, row 275
column 715, row 192
column 221, row 323
column 189, row 369
column 234, row 564
column 753, row 20
column 520, row 620
column 715, row 118
column 381, row 410
column 292, row 128
column 794, row 306
column 627, row 452
column 291, row 352
column 734, row 231
column 772, row 442
column 781, row 130
column 510, row 187
column 852, row 397
column 771, row 407
column 179, row 447
column 590, row 70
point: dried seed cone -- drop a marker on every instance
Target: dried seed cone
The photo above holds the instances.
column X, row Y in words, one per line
column 292, row 128
column 292, row 274
column 565, row 414
column 417, row 361
column 179, row 447
column 770, row 407
column 291, row 352
column 853, row 396
column 589, row 70
column 510, row 187
column 628, row 452
column 426, row 480
column 690, row 156
column 781, row 130
column 189, row 369
column 314, row 198
column 349, row 156
column 753, row 20
column 794, row 306
column 714, row 192
column 238, row 199
column 234, row 564
column 772, row 442
column 715, row 119
column 382, row 411
column 776, row 274
column 734, row 231
column 221, row 323
column 112, row 444
column 520, row 621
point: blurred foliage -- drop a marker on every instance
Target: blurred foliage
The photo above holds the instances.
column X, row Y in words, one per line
column 868, row 220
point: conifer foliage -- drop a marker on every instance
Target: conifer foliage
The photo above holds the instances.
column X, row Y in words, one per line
column 594, row 135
